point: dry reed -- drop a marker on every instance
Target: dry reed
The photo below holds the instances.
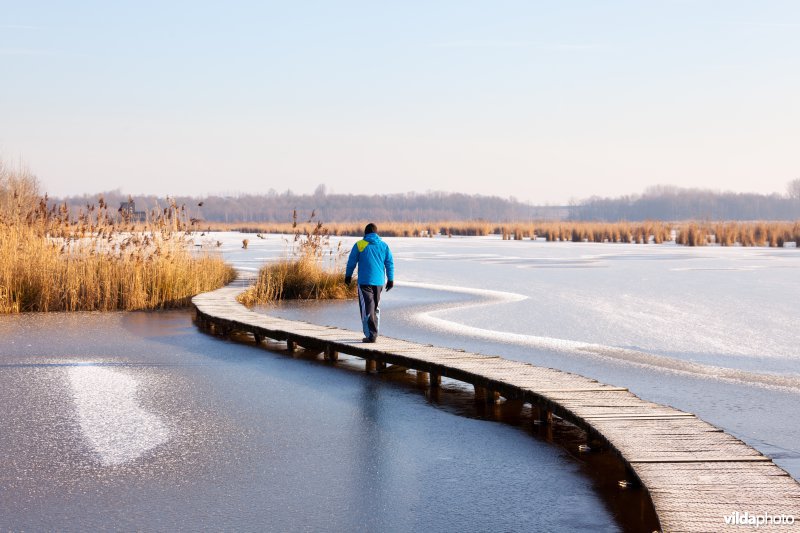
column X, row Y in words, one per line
column 691, row 233
column 356, row 229
column 757, row 233
column 644, row 232
column 50, row 261
column 312, row 270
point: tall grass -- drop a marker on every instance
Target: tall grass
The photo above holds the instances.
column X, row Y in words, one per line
column 311, row 270
column 50, row 261
column 552, row 231
column 611, row 232
column 356, row 229
column 758, row 233
column 690, row 233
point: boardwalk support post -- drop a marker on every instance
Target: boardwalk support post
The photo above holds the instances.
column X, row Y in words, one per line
column 492, row 396
column 331, row 355
column 486, row 395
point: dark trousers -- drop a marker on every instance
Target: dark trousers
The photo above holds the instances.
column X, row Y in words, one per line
column 368, row 298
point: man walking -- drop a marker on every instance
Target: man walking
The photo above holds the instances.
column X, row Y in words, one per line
column 373, row 258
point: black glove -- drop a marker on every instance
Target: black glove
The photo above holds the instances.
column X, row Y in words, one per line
column 348, row 280
column 389, row 285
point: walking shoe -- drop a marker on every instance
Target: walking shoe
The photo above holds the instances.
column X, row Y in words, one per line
column 368, row 339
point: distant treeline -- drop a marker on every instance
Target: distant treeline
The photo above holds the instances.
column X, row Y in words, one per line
column 663, row 203
column 278, row 207
column 673, row 203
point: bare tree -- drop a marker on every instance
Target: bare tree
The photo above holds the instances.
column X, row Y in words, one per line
column 19, row 188
column 793, row 189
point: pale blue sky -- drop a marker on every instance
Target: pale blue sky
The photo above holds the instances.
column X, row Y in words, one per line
column 545, row 101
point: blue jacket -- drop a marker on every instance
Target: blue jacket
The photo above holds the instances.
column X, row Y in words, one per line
column 373, row 258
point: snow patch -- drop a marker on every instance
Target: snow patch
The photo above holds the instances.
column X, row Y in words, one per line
column 117, row 428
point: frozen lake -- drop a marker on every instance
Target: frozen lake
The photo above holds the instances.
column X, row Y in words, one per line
column 709, row 330
column 138, row 421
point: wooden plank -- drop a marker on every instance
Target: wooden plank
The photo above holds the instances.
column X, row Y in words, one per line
column 697, row 459
column 596, row 389
column 643, row 415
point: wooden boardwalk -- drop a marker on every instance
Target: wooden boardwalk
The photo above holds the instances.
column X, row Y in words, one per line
column 696, row 474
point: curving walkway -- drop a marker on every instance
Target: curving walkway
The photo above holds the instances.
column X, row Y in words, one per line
column 698, row 476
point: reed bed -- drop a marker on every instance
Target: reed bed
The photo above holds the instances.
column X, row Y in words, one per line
column 552, row 231
column 298, row 278
column 690, row 233
column 611, row 232
column 37, row 274
column 772, row 234
column 356, row 229
column 311, row 270
column 50, row 261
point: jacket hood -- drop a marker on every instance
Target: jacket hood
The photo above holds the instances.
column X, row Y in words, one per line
column 372, row 238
